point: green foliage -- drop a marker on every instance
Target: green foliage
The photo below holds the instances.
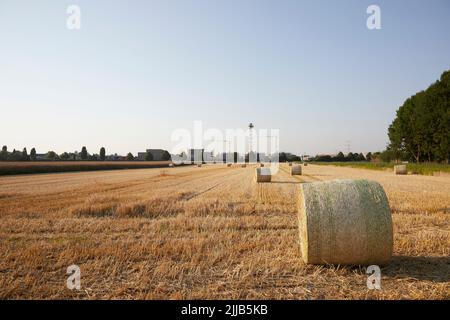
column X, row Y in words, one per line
column 130, row 156
column 421, row 129
column 84, row 153
column 4, row 154
column 25, row 156
column 340, row 157
column 282, row 157
column 166, row 156
column 102, row 154
column 15, row 156
column 148, row 156
column 51, row 155
column 33, row 154
column 64, row 156
column 360, row 157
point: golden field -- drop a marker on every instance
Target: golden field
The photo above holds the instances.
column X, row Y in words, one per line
column 205, row 233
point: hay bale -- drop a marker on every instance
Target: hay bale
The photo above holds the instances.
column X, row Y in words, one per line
column 261, row 165
column 296, row 170
column 243, row 166
column 345, row 222
column 229, row 165
column 400, row 169
column 170, row 165
column 290, row 164
column 199, row 165
column 305, row 164
column 263, row 175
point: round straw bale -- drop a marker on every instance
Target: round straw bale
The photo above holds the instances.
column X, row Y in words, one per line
column 261, row 165
column 263, row 175
column 346, row 222
column 199, row 165
column 305, row 164
column 229, row 165
column 400, row 169
column 243, row 165
column 296, row 170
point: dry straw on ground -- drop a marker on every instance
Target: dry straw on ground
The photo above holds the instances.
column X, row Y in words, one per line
column 205, row 234
column 296, row 170
column 400, row 169
column 263, row 175
column 346, row 222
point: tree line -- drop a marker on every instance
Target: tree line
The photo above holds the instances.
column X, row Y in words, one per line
column 17, row 155
column 340, row 157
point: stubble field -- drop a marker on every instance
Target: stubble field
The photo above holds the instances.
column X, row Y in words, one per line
column 205, row 233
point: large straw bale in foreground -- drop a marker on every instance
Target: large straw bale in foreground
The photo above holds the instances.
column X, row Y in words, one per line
column 345, row 222
column 263, row 175
column 400, row 169
column 296, row 170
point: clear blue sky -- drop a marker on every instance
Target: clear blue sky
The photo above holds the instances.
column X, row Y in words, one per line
column 137, row 70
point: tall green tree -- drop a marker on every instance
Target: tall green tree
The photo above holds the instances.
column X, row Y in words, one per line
column 4, row 153
column 130, row 156
column 102, row 153
column 33, row 154
column 84, row 153
column 25, row 156
column 421, row 129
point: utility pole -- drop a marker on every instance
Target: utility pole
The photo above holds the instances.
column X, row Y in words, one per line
column 347, row 146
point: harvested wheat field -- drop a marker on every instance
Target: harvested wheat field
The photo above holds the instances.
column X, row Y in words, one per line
column 205, row 233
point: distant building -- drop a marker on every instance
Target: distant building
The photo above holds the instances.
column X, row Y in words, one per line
column 141, row 156
column 157, row 154
column 41, row 156
column 208, row 156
